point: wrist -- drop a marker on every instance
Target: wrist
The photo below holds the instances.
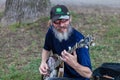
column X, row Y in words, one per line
column 43, row 62
column 75, row 66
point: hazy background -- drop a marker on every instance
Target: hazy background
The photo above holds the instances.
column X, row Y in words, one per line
column 110, row 3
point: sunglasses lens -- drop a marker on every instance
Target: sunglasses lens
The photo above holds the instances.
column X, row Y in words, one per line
column 60, row 21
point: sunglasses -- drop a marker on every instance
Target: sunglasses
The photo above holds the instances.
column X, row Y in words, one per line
column 59, row 21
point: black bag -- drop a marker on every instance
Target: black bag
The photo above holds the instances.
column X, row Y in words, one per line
column 107, row 71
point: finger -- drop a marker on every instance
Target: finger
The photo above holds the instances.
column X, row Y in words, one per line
column 74, row 53
column 39, row 70
column 43, row 70
column 46, row 67
column 63, row 56
column 66, row 53
column 63, row 59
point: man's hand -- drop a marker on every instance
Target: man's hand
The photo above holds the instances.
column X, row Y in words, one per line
column 70, row 59
column 43, row 69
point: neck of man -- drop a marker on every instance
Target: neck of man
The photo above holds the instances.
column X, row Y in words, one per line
column 64, row 35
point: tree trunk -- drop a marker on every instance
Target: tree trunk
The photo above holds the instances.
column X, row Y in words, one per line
column 24, row 11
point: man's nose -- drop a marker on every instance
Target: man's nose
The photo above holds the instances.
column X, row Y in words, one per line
column 61, row 24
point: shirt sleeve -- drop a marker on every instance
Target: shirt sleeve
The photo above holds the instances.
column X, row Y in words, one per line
column 48, row 41
column 84, row 57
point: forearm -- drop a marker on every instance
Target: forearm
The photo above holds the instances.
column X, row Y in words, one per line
column 43, row 66
column 45, row 55
column 82, row 70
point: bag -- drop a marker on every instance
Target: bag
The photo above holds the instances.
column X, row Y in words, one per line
column 107, row 71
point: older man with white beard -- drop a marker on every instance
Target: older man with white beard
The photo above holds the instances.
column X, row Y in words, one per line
column 60, row 36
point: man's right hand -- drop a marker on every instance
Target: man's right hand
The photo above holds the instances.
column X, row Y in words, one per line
column 43, row 69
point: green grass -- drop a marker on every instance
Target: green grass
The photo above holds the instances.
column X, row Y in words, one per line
column 22, row 44
column 28, row 72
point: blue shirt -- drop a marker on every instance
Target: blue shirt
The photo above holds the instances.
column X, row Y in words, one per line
column 83, row 57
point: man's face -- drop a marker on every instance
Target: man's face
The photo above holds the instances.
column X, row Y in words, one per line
column 61, row 25
column 62, row 29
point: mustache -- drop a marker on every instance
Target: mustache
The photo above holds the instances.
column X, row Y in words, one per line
column 60, row 27
column 62, row 36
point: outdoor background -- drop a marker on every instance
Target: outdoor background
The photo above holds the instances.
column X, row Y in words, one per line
column 20, row 46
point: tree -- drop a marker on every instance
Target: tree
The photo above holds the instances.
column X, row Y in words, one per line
column 24, row 10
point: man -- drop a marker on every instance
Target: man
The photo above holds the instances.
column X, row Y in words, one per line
column 60, row 36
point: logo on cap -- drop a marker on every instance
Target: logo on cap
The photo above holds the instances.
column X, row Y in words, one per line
column 59, row 11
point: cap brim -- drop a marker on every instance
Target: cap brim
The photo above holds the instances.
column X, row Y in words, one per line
column 64, row 17
column 60, row 17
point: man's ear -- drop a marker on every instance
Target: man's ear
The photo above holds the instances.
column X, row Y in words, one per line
column 49, row 23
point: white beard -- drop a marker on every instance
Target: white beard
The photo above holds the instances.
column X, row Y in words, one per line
column 62, row 36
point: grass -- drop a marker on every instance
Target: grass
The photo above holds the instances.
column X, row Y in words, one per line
column 21, row 44
column 28, row 72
